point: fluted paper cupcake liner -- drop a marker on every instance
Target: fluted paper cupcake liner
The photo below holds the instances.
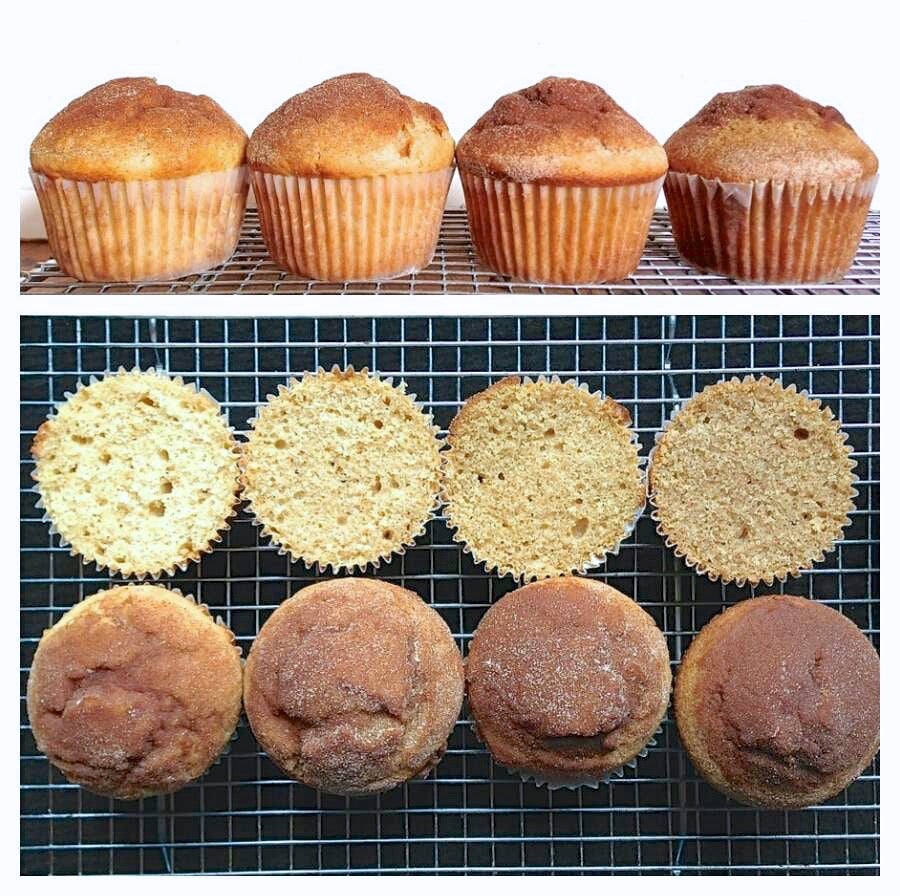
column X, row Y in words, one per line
column 180, row 565
column 134, row 231
column 768, row 231
column 595, row 560
column 697, row 565
column 547, row 233
column 353, row 568
column 340, row 229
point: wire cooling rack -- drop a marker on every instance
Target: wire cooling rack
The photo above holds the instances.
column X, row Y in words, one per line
column 470, row 815
column 456, row 268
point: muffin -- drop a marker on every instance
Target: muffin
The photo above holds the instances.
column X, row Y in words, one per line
column 137, row 472
column 567, row 681
column 752, row 481
column 135, row 692
column 137, row 181
column 342, row 469
column 351, row 178
column 560, row 184
column 767, row 186
column 777, row 702
column 353, row 686
column 541, row 478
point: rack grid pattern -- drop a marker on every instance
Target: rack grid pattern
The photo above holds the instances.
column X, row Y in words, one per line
column 470, row 816
column 456, row 268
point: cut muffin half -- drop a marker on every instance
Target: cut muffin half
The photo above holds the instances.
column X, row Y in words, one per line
column 342, row 469
column 138, row 472
column 752, row 481
column 541, row 477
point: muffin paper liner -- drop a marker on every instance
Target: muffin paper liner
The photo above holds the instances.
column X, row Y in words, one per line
column 133, row 231
column 594, row 561
column 696, row 565
column 341, row 229
column 547, row 233
column 180, row 565
column 768, row 231
column 375, row 562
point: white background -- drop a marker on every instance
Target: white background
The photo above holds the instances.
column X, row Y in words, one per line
column 660, row 61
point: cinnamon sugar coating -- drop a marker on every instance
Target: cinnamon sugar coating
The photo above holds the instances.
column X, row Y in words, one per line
column 567, row 679
column 134, row 692
column 777, row 702
column 561, row 131
column 769, row 133
column 353, row 686
column 351, row 126
column 136, row 129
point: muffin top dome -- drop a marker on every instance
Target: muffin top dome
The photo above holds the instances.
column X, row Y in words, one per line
column 136, row 129
column 568, row 679
column 561, row 131
column 135, row 691
column 351, row 126
column 354, row 685
column 769, row 133
column 777, row 701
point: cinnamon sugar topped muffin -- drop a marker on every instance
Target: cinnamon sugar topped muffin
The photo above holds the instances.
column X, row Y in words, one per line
column 768, row 186
column 351, row 178
column 560, row 184
column 137, row 181
column 353, row 686
column 777, row 702
column 567, row 680
column 135, row 691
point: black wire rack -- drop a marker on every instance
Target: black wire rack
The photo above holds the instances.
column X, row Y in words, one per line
column 456, row 268
column 470, row 816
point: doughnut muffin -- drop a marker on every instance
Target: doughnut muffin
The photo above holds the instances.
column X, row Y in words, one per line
column 351, row 178
column 560, row 184
column 137, row 181
column 342, row 469
column 135, row 692
column 567, row 680
column 138, row 473
column 541, row 478
column 751, row 481
column 776, row 702
column 765, row 185
column 353, row 686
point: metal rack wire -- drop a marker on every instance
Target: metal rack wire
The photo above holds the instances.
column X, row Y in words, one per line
column 457, row 269
column 470, row 816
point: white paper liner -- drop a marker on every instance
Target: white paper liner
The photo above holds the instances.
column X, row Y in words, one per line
column 768, row 231
column 134, row 231
column 696, row 565
column 546, row 233
column 341, row 229
column 594, row 561
column 181, row 565
column 385, row 557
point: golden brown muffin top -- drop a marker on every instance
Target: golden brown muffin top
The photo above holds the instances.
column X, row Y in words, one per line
column 567, row 679
column 351, row 126
column 353, row 686
column 779, row 695
column 136, row 129
column 561, row 131
column 769, row 133
column 135, row 691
